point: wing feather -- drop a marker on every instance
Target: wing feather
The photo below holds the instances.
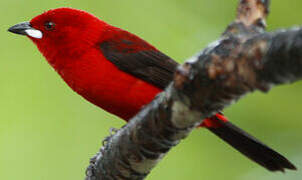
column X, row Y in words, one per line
column 135, row 56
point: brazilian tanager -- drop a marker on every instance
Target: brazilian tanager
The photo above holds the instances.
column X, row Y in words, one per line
column 120, row 72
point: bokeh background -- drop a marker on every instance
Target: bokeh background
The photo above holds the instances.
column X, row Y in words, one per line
column 49, row 132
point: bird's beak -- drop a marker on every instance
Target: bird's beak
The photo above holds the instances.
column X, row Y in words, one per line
column 26, row 29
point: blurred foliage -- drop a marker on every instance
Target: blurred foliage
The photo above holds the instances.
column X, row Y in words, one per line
column 49, row 132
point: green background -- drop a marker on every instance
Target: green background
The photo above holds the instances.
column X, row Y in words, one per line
column 49, row 132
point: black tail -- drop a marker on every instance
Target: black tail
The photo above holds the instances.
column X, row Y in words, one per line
column 251, row 147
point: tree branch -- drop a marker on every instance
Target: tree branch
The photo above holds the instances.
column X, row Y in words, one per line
column 245, row 59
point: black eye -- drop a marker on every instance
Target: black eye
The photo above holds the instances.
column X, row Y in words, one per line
column 49, row 26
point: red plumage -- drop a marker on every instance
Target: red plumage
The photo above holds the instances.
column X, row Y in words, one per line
column 83, row 67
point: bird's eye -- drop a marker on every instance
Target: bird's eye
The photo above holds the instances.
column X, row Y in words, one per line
column 49, row 26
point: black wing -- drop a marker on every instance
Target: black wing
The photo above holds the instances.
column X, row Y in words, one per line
column 138, row 58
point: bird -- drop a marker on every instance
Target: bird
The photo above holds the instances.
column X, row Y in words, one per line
column 121, row 73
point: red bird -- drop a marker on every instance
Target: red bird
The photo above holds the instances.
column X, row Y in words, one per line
column 120, row 72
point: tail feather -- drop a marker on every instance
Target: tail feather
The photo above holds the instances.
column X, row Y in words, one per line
column 250, row 146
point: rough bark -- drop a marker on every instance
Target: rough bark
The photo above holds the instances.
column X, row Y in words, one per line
column 244, row 59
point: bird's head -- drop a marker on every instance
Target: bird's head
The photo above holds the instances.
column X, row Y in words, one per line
column 64, row 31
